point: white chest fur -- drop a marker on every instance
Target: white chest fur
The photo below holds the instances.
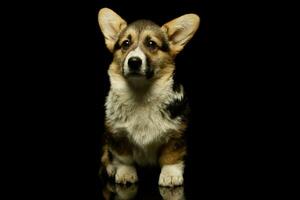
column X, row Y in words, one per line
column 145, row 122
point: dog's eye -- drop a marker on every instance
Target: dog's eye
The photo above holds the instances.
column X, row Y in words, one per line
column 126, row 44
column 152, row 45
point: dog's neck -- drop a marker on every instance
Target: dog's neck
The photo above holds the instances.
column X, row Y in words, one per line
column 142, row 89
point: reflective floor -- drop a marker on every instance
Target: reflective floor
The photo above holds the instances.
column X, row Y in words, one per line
column 136, row 191
column 146, row 188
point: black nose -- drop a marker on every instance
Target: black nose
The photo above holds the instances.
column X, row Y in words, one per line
column 134, row 63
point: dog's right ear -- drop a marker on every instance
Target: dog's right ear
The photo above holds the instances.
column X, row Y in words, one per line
column 111, row 24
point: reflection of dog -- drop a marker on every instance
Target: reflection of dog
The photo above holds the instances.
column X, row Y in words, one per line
column 120, row 192
column 175, row 193
column 128, row 192
column 146, row 109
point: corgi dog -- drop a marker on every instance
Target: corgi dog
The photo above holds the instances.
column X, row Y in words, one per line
column 145, row 110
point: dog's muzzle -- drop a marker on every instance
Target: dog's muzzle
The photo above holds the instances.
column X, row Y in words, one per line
column 135, row 64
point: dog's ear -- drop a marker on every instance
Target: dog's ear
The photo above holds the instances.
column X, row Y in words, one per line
column 181, row 30
column 111, row 24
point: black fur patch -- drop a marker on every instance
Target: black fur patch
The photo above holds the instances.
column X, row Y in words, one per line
column 176, row 86
column 179, row 143
column 118, row 141
column 142, row 24
column 149, row 69
column 117, row 46
column 165, row 46
column 178, row 108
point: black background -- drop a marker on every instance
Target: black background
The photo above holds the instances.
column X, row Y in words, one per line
column 59, row 84
column 224, row 83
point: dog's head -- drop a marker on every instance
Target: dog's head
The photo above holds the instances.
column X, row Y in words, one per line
column 143, row 50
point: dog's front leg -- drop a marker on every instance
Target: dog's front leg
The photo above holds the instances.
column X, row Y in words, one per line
column 124, row 169
column 172, row 163
column 121, row 165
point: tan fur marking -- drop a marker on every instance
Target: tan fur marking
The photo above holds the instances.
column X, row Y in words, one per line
column 172, row 152
column 111, row 25
column 182, row 128
column 180, row 31
column 165, row 73
column 106, row 193
column 115, row 70
column 105, row 160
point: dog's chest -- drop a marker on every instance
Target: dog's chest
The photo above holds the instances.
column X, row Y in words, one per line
column 145, row 123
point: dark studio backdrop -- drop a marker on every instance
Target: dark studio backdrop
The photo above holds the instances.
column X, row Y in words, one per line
column 192, row 69
column 62, row 82
column 221, row 71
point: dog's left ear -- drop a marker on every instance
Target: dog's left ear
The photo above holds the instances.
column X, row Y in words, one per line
column 180, row 31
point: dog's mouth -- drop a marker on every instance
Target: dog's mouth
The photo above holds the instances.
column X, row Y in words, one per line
column 135, row 75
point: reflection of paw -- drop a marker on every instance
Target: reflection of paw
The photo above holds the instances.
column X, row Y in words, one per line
column 171, row 175
column 111, row 170
column 126, row 192
column 120, row 192
column 126, row 174
column 172, row 193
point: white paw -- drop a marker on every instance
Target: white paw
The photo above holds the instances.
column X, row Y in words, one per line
column 126, row 174
column 111, row 170
column 170, row 180
column 171, row 175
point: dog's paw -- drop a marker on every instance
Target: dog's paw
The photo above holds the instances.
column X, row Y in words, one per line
column 171, row 175
column 170, row 180
column 126, row 174
column 111, row 170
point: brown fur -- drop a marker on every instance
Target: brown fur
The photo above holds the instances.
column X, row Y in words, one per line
column 172, row 152
column 105, row 159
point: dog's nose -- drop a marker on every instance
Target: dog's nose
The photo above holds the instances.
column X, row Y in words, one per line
column 134, row 63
